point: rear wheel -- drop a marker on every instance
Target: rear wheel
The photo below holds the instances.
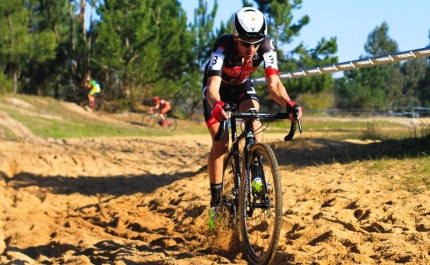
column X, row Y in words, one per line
column 97, row 102
column 260, row 212
column 171, row 123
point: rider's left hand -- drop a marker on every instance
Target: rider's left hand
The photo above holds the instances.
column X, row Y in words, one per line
column 295, row 111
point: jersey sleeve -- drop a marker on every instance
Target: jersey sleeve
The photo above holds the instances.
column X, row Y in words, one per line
column 270, row 59
column 216, row 63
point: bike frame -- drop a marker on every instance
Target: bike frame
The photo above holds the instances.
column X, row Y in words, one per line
column 235, row 155
column 156, row 116
column 249, row 137
column 242, row 202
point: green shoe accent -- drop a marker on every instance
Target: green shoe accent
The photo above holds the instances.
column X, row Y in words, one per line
column 212, row 218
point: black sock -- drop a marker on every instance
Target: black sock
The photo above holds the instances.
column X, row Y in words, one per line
column 215, row 194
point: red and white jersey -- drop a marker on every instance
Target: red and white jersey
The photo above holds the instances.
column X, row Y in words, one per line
column 228, row 65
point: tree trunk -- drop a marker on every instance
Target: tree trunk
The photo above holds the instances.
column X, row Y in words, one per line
column 15, row 82
column 82, row 18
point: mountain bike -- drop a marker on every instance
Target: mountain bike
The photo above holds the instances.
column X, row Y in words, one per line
column 257, row 214
column 97, row 103
column 150, row 119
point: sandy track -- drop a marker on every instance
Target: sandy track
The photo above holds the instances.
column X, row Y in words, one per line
column 144, row 201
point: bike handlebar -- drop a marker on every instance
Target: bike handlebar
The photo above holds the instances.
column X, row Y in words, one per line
column 256, row 115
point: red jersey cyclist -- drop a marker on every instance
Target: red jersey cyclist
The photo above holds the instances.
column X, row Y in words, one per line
column 163, row 106
column 226, row 80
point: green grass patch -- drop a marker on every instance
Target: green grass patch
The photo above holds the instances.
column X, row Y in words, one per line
column 417, row 179
column 49, row 118
column 6, row 133
column 407, row 173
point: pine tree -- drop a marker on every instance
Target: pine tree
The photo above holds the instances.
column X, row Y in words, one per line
column 142, row 47
column 378, row 86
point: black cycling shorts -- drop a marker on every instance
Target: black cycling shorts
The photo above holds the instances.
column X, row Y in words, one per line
column 231, row 95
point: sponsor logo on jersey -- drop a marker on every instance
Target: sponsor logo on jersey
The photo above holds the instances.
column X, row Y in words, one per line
column 236, row 71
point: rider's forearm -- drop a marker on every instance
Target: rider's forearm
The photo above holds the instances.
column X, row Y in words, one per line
column 277, row 90
column 212, row 94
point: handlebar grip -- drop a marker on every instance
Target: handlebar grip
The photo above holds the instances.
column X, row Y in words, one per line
column 221, row 131
column 290, row 135
column 300, row 125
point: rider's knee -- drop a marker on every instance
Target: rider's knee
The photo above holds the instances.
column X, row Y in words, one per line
column 248, row 104
column 219, row 147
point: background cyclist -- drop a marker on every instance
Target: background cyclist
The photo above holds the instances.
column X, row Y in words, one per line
column 94, row 90
column 163, row 106
column 226, row 80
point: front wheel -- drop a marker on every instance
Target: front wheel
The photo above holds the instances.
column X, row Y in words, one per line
column 149, row 120
column 260, row 206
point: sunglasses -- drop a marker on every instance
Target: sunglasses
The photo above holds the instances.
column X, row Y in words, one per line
column 248, row 44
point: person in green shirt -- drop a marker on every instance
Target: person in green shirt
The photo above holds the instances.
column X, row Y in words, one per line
column 94, row 90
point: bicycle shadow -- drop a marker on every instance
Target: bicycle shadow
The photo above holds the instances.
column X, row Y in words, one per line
column 139, row 124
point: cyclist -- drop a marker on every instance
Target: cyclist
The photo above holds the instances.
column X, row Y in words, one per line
column 226, row 79
column 163, row 106
column 94, row 90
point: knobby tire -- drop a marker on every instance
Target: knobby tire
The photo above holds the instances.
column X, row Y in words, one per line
column 260, row 226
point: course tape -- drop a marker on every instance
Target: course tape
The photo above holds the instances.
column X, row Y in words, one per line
column 351, row 65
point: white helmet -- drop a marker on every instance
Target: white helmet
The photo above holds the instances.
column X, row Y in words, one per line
column 249, row 23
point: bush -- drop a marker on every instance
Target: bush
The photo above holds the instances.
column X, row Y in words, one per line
column 320, row 101
column 6, row 85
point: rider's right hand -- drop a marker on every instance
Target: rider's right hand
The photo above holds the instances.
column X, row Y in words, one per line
column 218, row 112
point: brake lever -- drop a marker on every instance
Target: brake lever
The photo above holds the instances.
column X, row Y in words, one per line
column 296, row 114
column 223, row 125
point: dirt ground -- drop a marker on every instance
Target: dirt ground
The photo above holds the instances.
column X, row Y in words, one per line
column 145, row 200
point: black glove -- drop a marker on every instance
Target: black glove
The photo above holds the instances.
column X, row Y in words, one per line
column 291, row 107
